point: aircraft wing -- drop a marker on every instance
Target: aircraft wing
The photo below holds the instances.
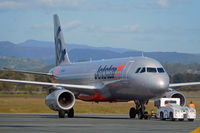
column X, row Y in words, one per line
column 74, row 87
column 184, row 84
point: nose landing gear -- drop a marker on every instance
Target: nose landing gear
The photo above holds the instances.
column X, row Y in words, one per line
column 139, row 110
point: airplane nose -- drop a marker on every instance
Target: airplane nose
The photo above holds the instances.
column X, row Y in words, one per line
column 163, row 84
column 160, row 83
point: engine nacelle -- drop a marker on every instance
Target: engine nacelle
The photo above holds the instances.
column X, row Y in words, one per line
column 175, row 94
column 171, row 94
column 60, row 100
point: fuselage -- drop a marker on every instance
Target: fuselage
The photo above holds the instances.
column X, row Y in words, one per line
column 121, row 79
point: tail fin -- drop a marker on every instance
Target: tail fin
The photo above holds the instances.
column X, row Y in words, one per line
column 61, row 51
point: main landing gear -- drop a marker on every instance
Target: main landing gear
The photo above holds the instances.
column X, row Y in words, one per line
column 70, row 113
column 139, row 110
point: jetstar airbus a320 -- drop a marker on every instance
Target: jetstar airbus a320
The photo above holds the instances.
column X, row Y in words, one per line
column 135, row 79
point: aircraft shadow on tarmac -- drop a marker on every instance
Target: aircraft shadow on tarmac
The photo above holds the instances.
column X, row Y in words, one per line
column 101, row 117
column 87, row 117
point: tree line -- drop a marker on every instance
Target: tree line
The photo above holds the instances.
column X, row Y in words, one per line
column 22, row 89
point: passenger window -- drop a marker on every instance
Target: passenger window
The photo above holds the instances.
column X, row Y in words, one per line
column 151, row 70
column 160, row 70
column 143, row 70
column 138, row 70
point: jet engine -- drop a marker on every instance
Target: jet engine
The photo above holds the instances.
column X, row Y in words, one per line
column 175, row 94
column 60, row 100
column 171, row 94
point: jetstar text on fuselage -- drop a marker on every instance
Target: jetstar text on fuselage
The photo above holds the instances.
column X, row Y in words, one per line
column 108, row 72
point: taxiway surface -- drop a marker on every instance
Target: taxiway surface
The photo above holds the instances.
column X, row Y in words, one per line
column 84, row 123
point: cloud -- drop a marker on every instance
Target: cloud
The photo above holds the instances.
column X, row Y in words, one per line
column 163, row 3
column 40, row 4
column 106, row 6
column 11, row 5
column 153, row 4
column 59, row 4
column 67, row 26
column 52, row 5
column 91, row 28
column 72, row 25
column 122, row 29
column 80, row 5
column 46, row 25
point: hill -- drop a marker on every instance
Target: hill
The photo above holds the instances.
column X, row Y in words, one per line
column 22, row 64
column 46, row 44
column 45, row 51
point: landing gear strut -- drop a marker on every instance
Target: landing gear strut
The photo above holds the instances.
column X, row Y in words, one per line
column 62, row 113
column 70, row 113
column 140, row 110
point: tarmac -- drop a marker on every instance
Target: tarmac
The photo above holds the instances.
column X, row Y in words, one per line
column 90, row 123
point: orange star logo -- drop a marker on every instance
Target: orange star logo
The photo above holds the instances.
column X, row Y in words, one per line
column 119, row 69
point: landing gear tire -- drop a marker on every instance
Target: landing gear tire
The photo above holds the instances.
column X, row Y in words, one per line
column 140, row 109
column 140, row 114
column 181, row 119
column 61, row 114
column 146, row 115
column 71, row 113
column 132, row 112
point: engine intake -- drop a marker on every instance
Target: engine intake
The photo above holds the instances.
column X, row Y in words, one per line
column 60, row 100
column 172, row 94
column 181, row 96
column 175, row 94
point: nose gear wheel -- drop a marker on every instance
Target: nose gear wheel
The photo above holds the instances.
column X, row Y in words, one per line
column 139, row 110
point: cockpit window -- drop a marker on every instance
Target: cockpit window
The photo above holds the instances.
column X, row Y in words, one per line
column 138, row 70
column 151, row 70
column 143, row 70
column 160, row 70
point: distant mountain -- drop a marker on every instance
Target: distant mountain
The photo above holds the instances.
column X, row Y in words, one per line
column 12, row 50
column 174, row 57
column 46, row 44
column 169, row 57
column 45, row 51
column 35, row 43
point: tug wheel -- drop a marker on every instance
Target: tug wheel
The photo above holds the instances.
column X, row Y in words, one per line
column 190, row 119
column 162, row 116
column 171, row 117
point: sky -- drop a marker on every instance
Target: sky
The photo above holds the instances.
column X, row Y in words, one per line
column 147, row 25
